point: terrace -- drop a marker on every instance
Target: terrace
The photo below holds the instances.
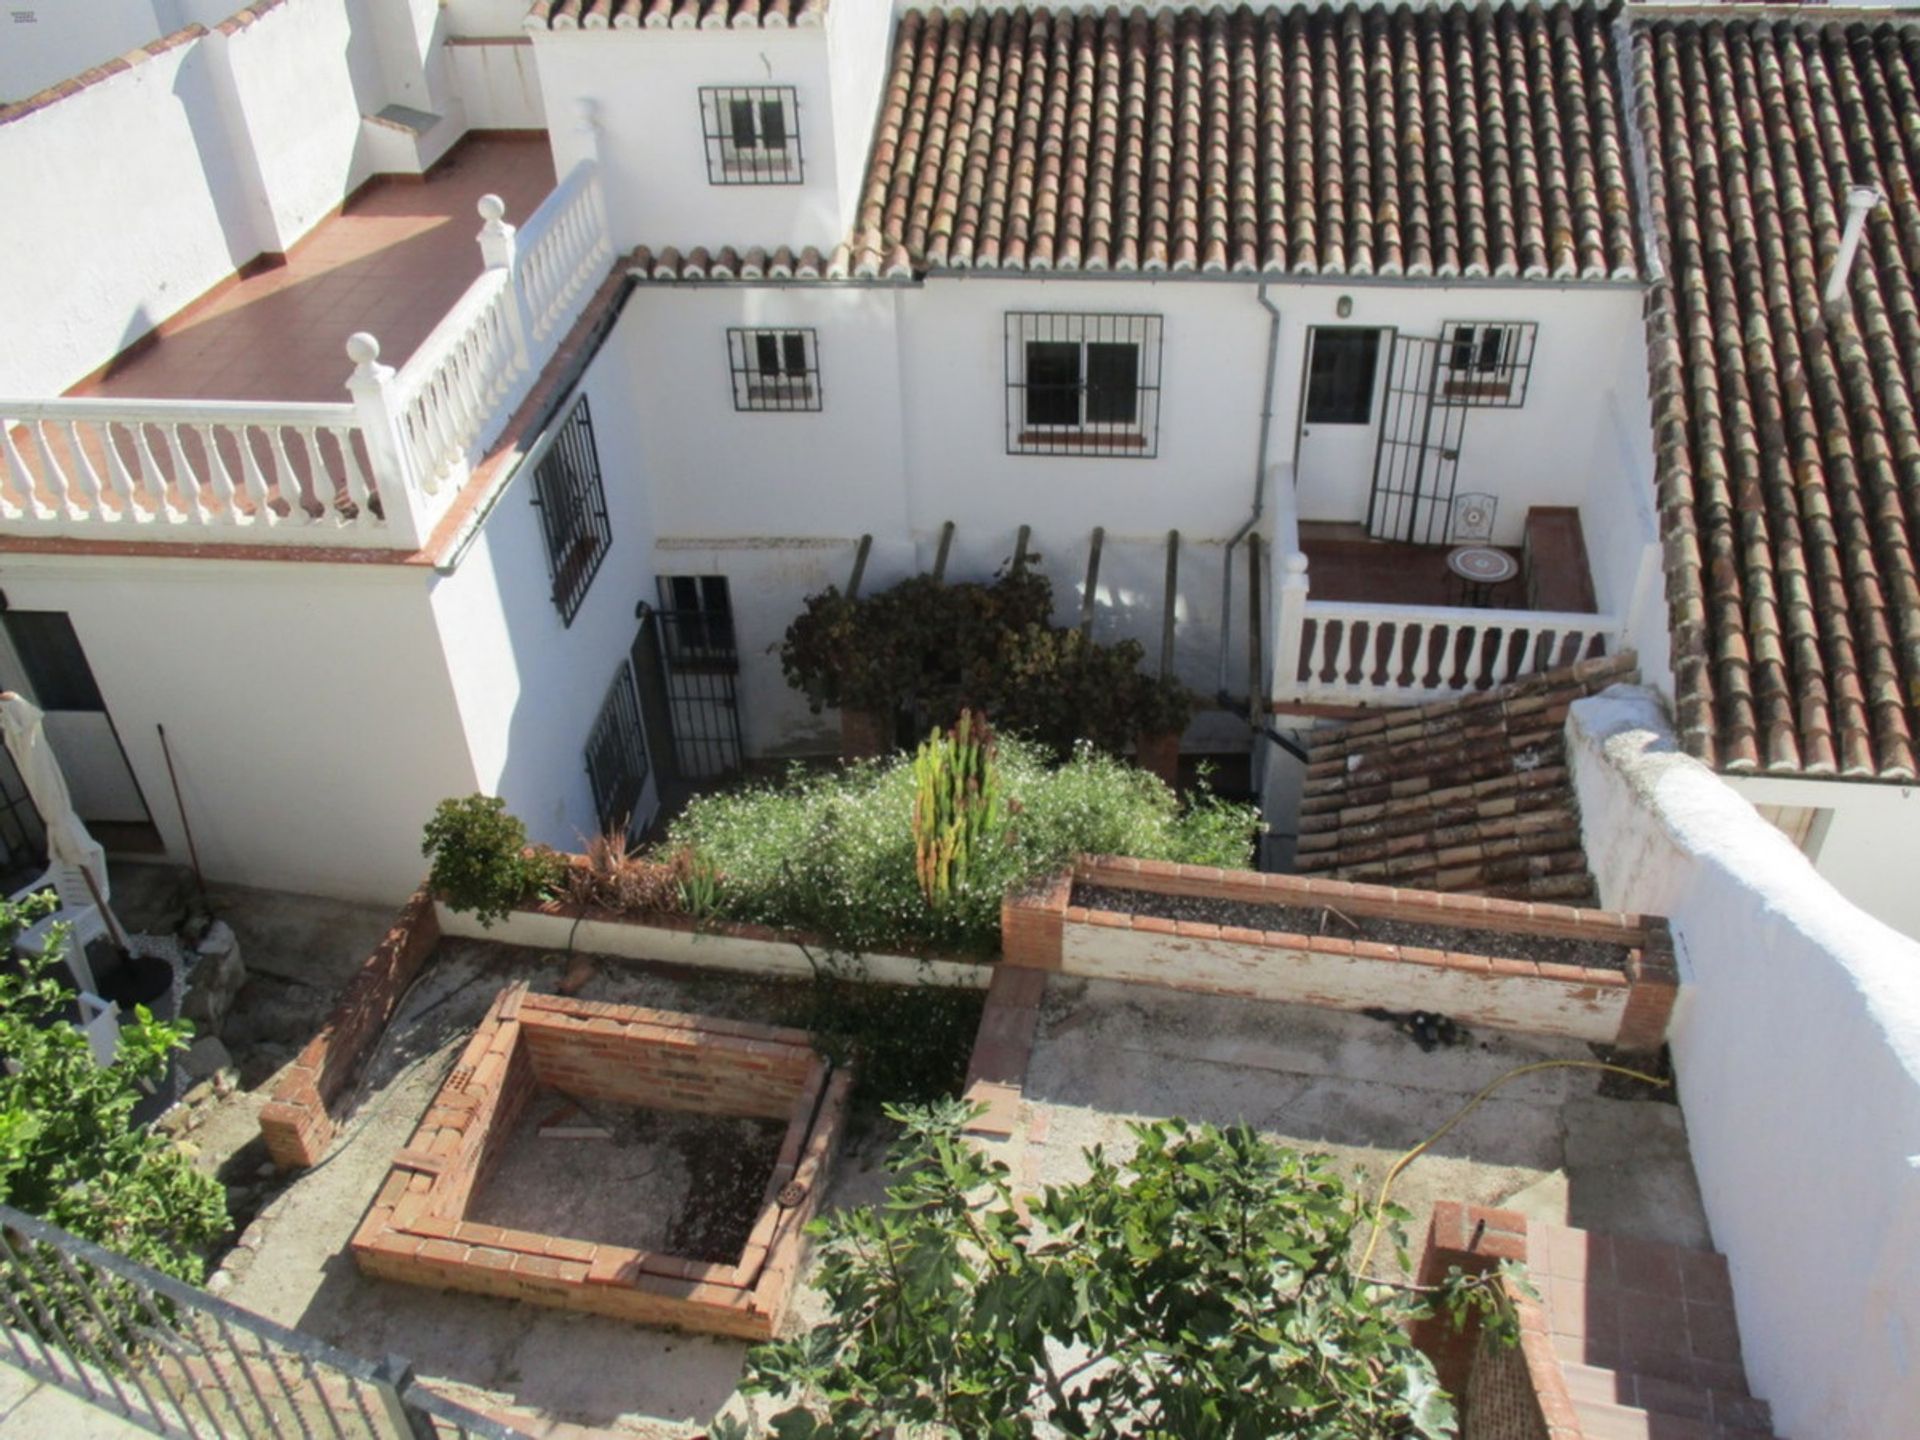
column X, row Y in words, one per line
column 230, row 425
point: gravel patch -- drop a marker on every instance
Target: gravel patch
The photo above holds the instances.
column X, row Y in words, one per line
column 1322, row 920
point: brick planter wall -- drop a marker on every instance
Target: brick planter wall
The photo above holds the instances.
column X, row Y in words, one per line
column 297, row 1122
column 416, row 1231
column 1627, row 1007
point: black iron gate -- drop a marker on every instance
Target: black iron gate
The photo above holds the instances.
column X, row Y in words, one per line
column 688, row 669
column 1415, row 465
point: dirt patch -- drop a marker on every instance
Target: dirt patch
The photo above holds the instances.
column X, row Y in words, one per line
column 1324, row 920
column 670, row 1182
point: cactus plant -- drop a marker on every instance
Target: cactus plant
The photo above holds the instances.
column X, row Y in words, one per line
column 957, row 808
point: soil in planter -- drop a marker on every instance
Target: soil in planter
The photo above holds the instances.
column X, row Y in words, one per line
column 1321, row 920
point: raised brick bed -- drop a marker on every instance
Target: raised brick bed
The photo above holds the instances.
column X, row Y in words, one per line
column 622, row 1055
column 1627, row 1004
column 298, row 1122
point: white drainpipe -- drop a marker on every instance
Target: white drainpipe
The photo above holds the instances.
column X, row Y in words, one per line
column 1860, row 202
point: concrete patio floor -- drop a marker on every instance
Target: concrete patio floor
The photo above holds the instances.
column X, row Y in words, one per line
column 1104, row 1054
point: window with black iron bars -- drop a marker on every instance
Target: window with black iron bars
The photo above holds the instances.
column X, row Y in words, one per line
column 1486, row 364
column 752, row 134
column 616, row 755
column 1083, row 384
column 774, row 369
column 572, row 500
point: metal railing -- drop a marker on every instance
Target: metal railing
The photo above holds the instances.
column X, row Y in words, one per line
column 184, row 1364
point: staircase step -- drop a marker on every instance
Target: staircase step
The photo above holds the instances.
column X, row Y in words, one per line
column 1621, row 1422
column 1668, row 1397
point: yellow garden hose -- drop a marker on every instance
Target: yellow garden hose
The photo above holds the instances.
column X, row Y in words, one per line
column 1386, row 1185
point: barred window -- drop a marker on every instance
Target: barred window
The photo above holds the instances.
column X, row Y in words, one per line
column 572, row 501
column 617, row 764
column 752, row 134
column 1486, row 363
column 1083, row 384
column 774, row 369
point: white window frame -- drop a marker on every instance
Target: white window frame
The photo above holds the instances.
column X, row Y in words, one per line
column 1142, row 331
column 754, row 162
column 779, row 391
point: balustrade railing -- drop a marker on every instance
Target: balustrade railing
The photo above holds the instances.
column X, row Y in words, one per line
column 378, row 472
column 1356, row 654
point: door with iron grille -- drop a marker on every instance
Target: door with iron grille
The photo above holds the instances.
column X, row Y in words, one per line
column 1422, row 421
column 688, row 667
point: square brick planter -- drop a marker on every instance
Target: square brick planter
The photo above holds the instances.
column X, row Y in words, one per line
column 1628, row 1006
column 624, row 1055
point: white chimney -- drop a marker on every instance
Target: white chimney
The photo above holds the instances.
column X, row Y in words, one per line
column 1860, row 200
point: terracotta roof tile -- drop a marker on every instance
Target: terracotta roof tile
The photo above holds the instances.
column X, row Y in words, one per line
column 675, row 14
column 1306, row 140
column 1467, row 795
column 1788, row 451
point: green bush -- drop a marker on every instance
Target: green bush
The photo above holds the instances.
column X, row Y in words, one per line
column 833, row 852
column 481, row 859
column 70, row 1151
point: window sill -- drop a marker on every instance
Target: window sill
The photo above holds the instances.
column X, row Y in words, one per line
column 1053, row 442
column 1478, row 389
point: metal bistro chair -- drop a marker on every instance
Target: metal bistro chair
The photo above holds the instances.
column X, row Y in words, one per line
column 1476, row 566
column 1472, row 519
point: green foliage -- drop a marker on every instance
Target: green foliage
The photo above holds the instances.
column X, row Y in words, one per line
column 943, row 649
column 908, row 1044
column 956, row 805
column 613, row 876
column 1201, row 1288
column 834, row 852
column 69, row 1150
column 481, row 859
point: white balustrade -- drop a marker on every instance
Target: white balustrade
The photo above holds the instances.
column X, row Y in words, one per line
column 1363, row 654
column 185, row 468
column 377, row 472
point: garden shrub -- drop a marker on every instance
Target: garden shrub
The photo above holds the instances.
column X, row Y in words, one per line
column 937, row 650
column 833, row 852
column 481, row 859
column 70, row 1151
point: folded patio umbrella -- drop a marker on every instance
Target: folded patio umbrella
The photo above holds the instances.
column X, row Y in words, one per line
column 68, row 842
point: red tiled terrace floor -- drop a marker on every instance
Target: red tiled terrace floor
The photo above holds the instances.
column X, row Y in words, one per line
column 1342, row 564
column 392, row 264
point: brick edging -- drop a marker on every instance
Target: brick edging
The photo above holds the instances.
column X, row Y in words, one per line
column 297, row 1121
column 105, row 70
column 1033, row 925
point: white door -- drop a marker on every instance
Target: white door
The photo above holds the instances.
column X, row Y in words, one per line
column 1339, row 417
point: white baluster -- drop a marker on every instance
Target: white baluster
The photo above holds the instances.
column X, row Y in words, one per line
column 29, row 499
column 86, row 478
column 251, row 480
column 119, row 478
column 192, row 499
column 55, row 478
column 322, row 482
column 500, row 251
column 357, row 490
column 219, row 481
column 286, row 479
column 153, row 475
column 1422, row 642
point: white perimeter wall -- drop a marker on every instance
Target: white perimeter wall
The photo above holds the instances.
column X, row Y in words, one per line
column 1797, row 1048
column 1867, row 848
column 153, row 184
column 497, row 81
column 645, row 86
column 312, row 722
column 529, row 687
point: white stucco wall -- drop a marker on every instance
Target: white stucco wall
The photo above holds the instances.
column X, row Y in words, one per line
column 528, row 686
column 645, row 87
column 83, row 279
column 497, row 82
column 1797, row 1049
column 302, row 76
column 312, row 722
column 1866, row 849
column 859, row 54
column 43, row 42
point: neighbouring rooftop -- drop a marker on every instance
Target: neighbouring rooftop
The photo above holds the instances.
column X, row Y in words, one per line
column 1304, row 140
column 392, row 263
column 1470, row 795
column 1788, row 445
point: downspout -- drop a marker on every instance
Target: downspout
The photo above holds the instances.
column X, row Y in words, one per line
column 1259, row 496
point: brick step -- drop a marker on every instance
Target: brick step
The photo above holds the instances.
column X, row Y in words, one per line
column 1619, row 1422
column 1734, row 1409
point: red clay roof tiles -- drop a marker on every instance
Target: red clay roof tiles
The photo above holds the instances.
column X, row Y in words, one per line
column 1305, row 140
column 1465, row 796
column 1788, row 450
column 675, row 14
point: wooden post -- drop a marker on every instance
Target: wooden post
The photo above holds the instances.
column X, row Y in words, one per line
column 1093, row 582
column 1172, row 595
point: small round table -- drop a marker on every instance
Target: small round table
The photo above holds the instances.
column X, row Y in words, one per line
column 1480, row 569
